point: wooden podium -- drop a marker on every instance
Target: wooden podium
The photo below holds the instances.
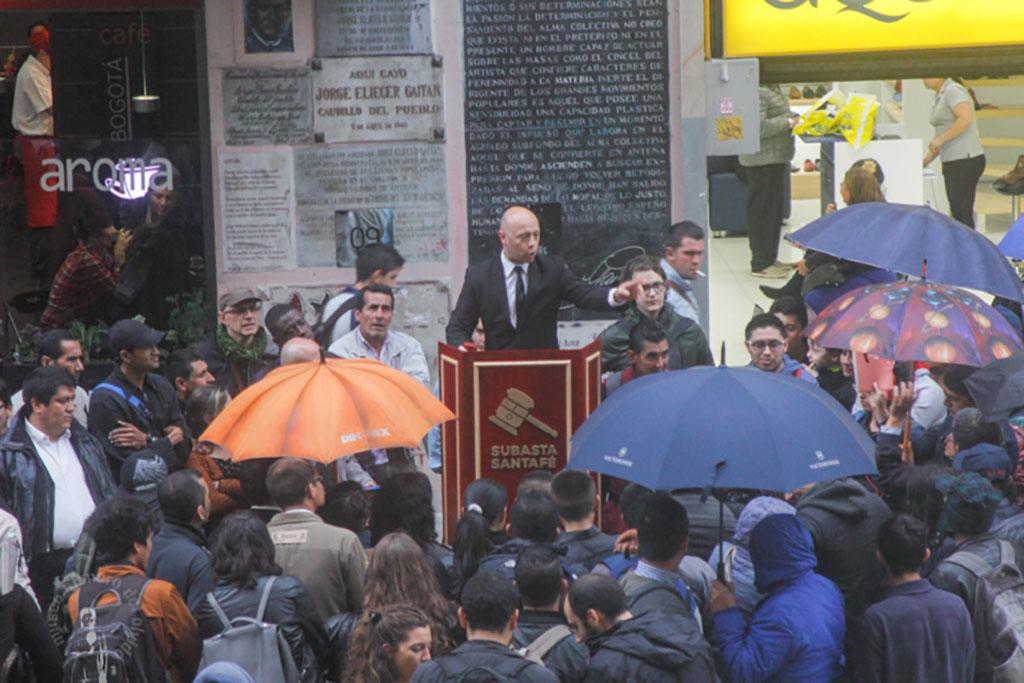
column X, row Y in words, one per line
column 516, row 412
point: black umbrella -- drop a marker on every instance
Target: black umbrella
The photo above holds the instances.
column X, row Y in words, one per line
column 998, row 388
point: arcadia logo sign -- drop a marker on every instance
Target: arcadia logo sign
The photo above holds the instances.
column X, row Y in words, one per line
column 129, row 178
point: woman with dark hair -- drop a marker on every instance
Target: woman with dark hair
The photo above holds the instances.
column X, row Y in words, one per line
column 213, row 463
column 480, row 528
column 405, row 502
column 399, row 574
column 89, row 274
column 242, row 557
column 388, row 645
column 346, row 506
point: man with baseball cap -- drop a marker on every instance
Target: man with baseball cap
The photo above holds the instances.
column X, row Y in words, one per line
column 134, row 411
column 240, row 348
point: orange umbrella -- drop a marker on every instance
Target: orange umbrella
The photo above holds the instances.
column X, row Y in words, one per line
column 326, row 410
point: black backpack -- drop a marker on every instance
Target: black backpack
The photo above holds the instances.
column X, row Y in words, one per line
column 466, row 672
column 112, row 643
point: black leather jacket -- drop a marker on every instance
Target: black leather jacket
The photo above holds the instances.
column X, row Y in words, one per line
column 290, row 607
column 27, row 491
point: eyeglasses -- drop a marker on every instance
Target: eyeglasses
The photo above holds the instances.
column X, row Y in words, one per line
column 254, row 307
column 760, row 345
column 655, row 288
column 317, row 480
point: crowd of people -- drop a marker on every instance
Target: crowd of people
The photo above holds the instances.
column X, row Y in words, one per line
column 113, row 507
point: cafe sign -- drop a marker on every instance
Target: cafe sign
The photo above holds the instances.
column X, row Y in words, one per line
column 765, row 28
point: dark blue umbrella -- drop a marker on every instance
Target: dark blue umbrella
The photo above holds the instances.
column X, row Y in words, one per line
column 901, row 237
column 1012, row 244
column 727, row 427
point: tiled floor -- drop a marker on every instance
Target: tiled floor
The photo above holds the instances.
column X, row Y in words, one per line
column 734, row 291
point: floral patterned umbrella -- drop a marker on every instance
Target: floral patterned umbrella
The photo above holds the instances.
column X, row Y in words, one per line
column 921, row 321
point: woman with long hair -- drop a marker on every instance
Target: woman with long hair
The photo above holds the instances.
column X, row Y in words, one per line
column 388, row 645
column 242, row 558
column 405, row 502
column 214, row 465
column 480, row 528
column 400, row 574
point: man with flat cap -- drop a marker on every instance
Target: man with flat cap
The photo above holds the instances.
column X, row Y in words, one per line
column 240, row 349
column 518, row 292
column 137, row 418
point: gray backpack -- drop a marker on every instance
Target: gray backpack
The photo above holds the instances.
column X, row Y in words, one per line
column 998, row 616
column 257, row 647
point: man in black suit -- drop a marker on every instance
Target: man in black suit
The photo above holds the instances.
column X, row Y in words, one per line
column 518, row 292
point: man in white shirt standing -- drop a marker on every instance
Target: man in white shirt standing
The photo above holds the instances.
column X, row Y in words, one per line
column 60, row 348
column 374, row 339
column 32, row 118
column 52, row 474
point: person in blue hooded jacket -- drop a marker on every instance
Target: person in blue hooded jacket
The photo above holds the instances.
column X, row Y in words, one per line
column 766, row 343
column 797, row 631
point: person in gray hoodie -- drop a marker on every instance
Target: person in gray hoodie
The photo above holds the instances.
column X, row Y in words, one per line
column 843, row 518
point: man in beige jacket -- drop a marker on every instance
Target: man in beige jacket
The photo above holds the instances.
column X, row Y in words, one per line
column 328, row 560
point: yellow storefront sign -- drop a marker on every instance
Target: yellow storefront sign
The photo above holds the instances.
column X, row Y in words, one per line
column 762, row 28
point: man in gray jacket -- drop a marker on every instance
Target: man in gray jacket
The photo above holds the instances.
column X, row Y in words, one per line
column 328, row 560
column 766, row 175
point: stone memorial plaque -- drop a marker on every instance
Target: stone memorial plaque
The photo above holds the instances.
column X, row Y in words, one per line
column 351, row 195
column 256, row 209
column 567, row 103
column 372, row 27
column 378, row 98
column 265, row 106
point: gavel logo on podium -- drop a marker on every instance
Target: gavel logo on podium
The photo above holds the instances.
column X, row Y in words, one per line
column 514, row 410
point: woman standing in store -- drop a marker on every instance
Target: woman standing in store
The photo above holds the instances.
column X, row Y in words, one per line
column 957, row 143
column 766, row 175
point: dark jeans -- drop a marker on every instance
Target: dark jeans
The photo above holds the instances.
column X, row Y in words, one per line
column 961, row 177
column 43, row 569
column 765, row 194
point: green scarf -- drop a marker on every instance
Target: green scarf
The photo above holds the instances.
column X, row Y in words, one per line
column 235, row 351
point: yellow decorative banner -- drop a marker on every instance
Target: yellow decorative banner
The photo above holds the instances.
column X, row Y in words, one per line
column 763, row 28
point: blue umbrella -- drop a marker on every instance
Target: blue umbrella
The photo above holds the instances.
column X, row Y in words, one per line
column 901, row 237
column 1012, row 244
column 727, row 427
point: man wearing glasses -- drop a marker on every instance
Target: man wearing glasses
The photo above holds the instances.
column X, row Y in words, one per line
column 240, row 348
column 766, row 344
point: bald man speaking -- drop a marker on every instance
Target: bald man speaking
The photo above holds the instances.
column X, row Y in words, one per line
column 518, row 292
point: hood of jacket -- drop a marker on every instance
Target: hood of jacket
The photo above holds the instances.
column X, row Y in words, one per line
column 756, row 510
column 664, row 641
column 781, row 551
column 843, row 498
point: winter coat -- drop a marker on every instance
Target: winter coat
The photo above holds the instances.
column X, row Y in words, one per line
column 586, row 547
column 26, row 489
column 687, row 345
column 797, row 631
column 958, row 580
column 483, row 654
column 179, row 556
column 653, row 647
column 777, row 144
column 567, row 660
column 290, row 607
column 223, row 370
column 843, row 519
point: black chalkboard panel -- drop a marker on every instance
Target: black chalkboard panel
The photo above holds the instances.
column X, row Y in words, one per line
column 567, row 104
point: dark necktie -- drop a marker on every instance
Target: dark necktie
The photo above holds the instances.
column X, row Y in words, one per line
column 520, row 293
